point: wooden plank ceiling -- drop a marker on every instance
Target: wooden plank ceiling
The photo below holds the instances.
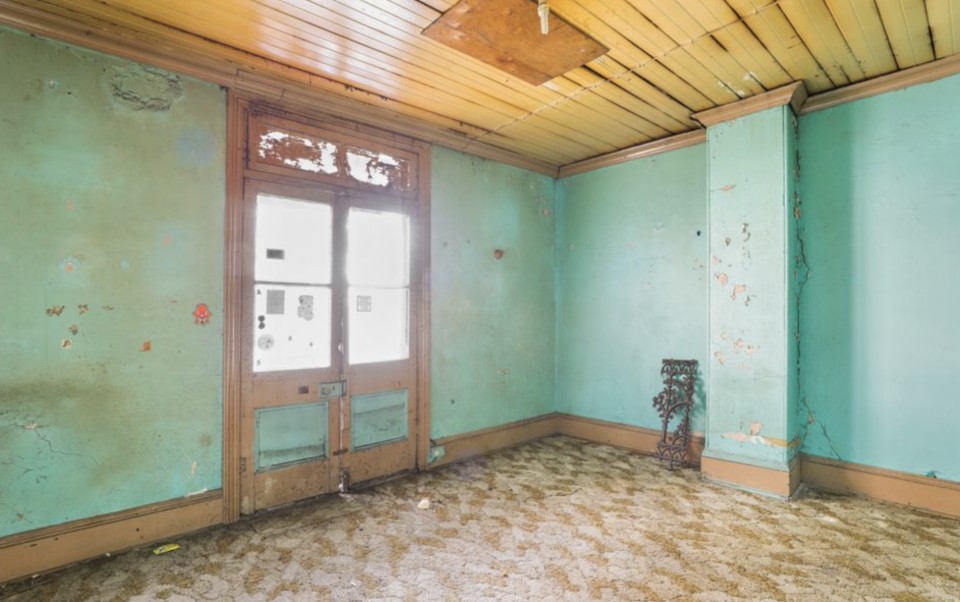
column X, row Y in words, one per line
column 667, row 58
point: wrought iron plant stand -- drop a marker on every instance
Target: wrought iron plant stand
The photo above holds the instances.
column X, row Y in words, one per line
column 675, row 401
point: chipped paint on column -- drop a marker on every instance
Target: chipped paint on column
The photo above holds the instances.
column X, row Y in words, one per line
column 752, row 380
column 633, row 266
column 492, row 298
column 881, row 206
column 111, row 207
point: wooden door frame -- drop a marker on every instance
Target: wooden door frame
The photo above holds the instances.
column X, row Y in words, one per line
column 239, row 107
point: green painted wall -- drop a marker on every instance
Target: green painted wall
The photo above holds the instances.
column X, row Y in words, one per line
column 752, row 383
column 492, row 354
column 111, row 208
column 881, row 205
column 632, row 270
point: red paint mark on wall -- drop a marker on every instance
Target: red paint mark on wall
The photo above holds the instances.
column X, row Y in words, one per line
column 201, row 315
column 167, row 240
column 728, row 187
column 69, row 205
column 147, row 346
column 498, row 254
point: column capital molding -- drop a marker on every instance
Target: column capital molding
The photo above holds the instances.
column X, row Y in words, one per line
column 794, row 94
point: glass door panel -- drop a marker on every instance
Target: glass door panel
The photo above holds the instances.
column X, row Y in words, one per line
column 289, row 429
column 377, row 365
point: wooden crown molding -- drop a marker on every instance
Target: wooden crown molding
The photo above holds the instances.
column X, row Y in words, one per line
column 794, row 94
column 634, row 152
column 259, row 78
column 921, row 74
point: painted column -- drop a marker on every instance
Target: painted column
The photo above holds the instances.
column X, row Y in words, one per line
column 753, row 374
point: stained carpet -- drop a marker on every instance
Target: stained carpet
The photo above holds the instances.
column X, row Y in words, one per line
column 560, row 519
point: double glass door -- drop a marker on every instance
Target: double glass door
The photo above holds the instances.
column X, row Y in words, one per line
column 329, row 356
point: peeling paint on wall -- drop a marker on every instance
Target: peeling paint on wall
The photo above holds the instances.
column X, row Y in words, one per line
column 142, row 88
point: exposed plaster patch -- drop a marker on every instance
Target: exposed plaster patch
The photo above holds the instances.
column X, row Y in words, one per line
column 719, row 356
column 722, row 278
column 55, row 310
column 82, row 308
column 728, row 187
column 145, row 89
column 714, row 260
column 147, row 346
column 757, row 439
column 74, row 329
column 66, row 344
column 737, row 290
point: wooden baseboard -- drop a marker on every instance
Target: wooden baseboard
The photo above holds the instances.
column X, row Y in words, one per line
column 779, row 483
column 934, row 495
column 483, row 441
column 50, row 548
column 634, row 438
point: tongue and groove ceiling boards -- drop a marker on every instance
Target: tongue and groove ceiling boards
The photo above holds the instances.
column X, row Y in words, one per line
column 666, row 59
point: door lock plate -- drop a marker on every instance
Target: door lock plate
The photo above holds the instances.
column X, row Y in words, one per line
column 332, row 390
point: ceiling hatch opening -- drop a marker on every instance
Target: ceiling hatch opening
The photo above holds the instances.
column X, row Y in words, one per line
column 507, row 34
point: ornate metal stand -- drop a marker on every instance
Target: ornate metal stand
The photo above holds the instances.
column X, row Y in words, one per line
column 676, row 399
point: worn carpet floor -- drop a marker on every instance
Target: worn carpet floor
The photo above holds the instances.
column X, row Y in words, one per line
column 559, row 519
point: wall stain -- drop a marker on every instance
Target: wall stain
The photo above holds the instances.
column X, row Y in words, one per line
column 55, row 310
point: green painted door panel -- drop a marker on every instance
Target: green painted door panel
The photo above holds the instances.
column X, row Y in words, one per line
column 289, row 435
column 378, row 418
